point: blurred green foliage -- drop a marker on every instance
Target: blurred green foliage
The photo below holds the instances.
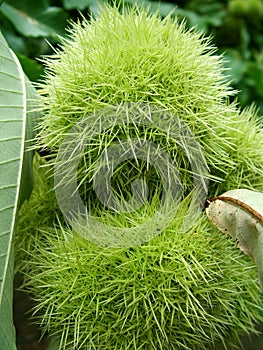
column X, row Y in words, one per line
column 32, row 28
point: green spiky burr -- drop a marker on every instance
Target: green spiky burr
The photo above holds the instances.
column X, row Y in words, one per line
column 182, row 289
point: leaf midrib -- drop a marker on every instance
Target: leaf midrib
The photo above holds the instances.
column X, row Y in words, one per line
column 15, row 206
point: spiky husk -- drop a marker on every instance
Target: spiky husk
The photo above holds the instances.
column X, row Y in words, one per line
column 191, row 290
column 137, row 57
column 180, row 290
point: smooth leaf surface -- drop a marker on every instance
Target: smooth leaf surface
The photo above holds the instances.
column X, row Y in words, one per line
column 239, row 213
column 29, row 5
column 37, row 21
column 13, row 131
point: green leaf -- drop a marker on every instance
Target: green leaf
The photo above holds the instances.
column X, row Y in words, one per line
column 36, row 21
column 32, row 69
column 15, row 184
column 239, row 213
column 28, row 5
column 15, row 42
column 78, row 4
